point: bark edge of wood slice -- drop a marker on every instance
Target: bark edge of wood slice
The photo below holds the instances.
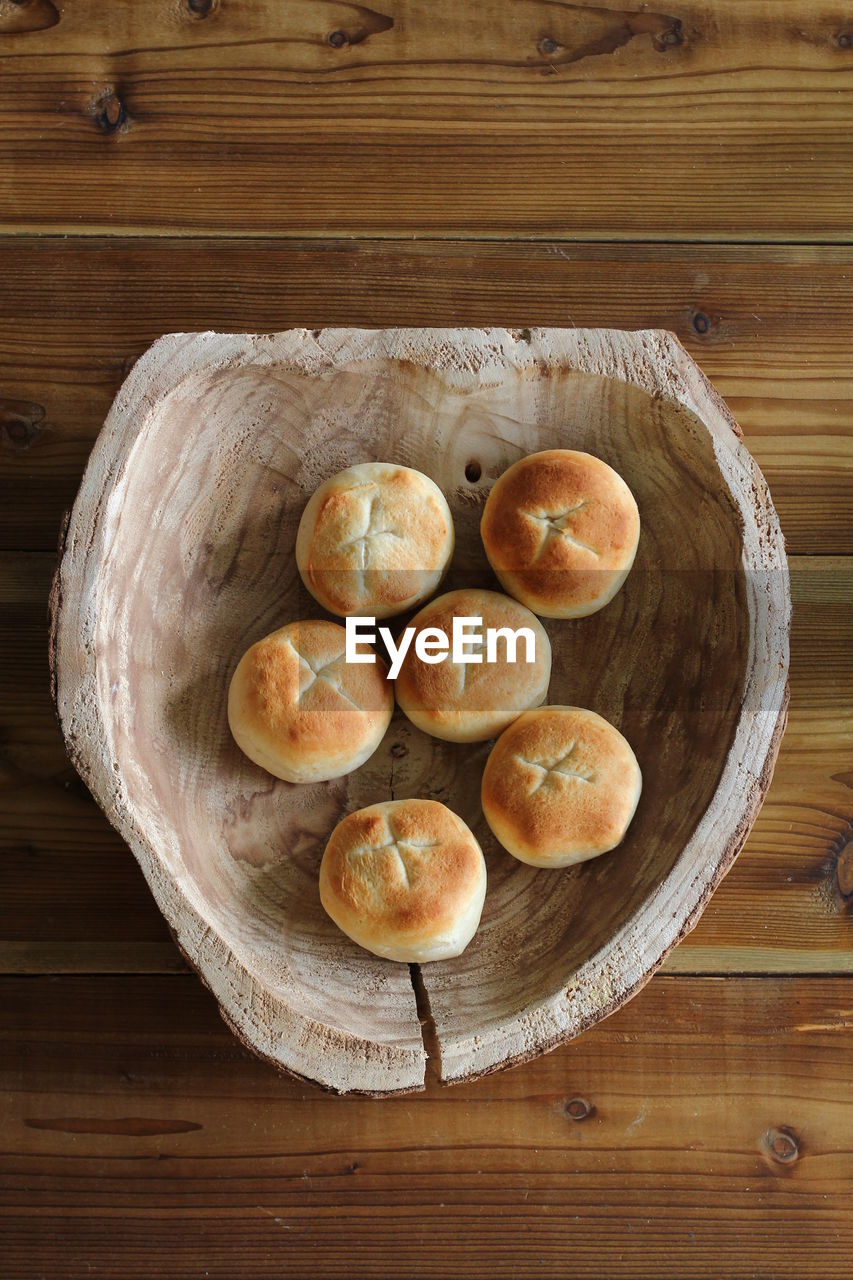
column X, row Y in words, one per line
column 179, row 553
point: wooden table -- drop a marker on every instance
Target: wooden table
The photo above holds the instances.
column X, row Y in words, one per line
column 246, row 164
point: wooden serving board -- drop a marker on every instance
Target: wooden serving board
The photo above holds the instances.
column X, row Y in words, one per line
column 179, row 552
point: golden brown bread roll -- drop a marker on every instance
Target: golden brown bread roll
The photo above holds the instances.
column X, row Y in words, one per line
column 405, row 879
column 300, row 711
column 560, row 529
column 560, row 786
column 472, row 702
column 375, row 539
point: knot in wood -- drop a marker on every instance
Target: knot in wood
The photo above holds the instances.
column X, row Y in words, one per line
column 20, row 423
column 844, row 867
column 781, row 1145
column 578, row 1109
column 112, row 114
column 669, row 38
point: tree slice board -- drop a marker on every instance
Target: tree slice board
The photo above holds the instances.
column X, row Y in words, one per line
column 179, row 552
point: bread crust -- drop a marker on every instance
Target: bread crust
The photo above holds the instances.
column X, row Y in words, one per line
column 406, row 879
column 375, row 539
column 560, row 529
column 560, row 786
column 300, row 711
column 473, row 702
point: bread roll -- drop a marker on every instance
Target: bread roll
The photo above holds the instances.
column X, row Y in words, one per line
column 300, row 711
column 405, row 879
column 560, row 786
column 375, row 539
column 560, row 530
column 472, row 702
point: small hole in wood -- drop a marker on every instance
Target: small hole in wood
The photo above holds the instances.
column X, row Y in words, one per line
column 112, row 114
column 782, row 1145
column 473, row 471
column 338, row 39
column 578, row 1109
column 844, row 40
column 200, row 8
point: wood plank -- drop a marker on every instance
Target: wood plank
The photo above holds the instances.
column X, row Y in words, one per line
column 73, row 900
column 771, row 327
column 785, row 906
column 727, row 120
column 704, row 1130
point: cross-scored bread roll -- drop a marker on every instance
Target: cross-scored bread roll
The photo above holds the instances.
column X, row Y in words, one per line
column 375, row 539
column 560, row 786
column 470, row 702
column 405, row 879
column 300, row 711
column 560, row 529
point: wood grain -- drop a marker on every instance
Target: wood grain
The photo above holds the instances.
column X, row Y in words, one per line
column 708, row 1125
column 74, row 315
column 720, row 1144
column 709, row 120
column 73, row 900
